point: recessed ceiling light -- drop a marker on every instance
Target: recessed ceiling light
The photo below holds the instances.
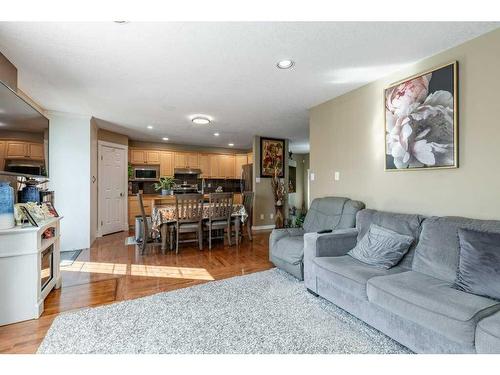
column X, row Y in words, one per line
column 216, row 134
column 200, row 120
column 285, row 64
column 230, row 144
column 150, row 127
column 121, row 22
column 165, row 138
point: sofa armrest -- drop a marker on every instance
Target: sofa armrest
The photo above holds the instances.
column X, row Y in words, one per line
column 333, row 244
column 336, row 243
column 278, row 234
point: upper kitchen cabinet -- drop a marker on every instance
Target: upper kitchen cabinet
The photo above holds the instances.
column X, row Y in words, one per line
column 240, row 161
column 204, row 162
column 144, row 156
column 186, row 160
column 250, row 158
column 24, row 150
column 166, row 163
column 227, row 166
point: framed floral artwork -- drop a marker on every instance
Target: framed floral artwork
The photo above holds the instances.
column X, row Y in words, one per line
column 272, row 156
column 421, row 121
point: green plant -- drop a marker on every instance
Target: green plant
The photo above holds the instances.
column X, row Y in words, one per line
column 165, row 183
column 299, row 220
column 130, row 171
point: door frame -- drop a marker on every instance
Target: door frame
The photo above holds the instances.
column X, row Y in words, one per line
column 125, row 187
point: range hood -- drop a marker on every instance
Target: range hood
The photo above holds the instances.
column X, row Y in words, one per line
column 193, row 171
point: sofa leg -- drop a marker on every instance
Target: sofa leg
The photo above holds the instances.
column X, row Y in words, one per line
column 313, row 293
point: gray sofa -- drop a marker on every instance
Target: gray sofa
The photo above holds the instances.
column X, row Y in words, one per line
column 286, row 246
column 413, row 302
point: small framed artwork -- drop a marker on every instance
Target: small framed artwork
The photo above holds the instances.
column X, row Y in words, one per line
column 272, row 156
column 51, row 209
column 421, row 121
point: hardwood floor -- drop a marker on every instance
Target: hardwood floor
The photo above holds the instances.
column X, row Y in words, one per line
column 111, row 271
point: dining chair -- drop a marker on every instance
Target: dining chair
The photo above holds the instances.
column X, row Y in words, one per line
column 189, row 216
column 219, row 216
column 146, row 230
column 248, row 204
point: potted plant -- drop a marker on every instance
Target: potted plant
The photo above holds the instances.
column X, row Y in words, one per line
column 165, row 185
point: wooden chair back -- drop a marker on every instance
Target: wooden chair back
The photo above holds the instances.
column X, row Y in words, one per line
column 188, row 208
column 145, row 228
column 221, row 206
column 248, row 204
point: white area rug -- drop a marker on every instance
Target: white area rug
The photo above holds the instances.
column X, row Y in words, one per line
column 265, row 312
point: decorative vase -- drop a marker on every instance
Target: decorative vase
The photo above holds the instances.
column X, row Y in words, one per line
column 29, row 193
column 164, row 192
column 278, row 217
column 6, row 206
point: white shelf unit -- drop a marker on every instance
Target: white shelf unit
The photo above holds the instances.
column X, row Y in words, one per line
column 21, row 293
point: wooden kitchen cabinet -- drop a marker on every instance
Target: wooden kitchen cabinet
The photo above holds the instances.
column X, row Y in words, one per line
column 250, row 158
column 227, row 166
column 2, row 155
column 240, row 161
column 35, row 151
column 204, row 162
column 186, row 160
column 24, row 150
column 137, row 157
column 144, row 156
column 166, row 163
column 134, row 209
column 152, row 157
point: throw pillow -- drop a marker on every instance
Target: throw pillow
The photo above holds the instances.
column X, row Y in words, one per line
column 381, row 247
column 479, row 263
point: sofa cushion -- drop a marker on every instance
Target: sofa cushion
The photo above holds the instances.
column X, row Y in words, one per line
column 479, row 263
column 290, row 249
column 488, row 335
column 381, row 247
column 438, row 248
column 407, row 224
column 331, row 213
column 431, row 303
column 348, row 274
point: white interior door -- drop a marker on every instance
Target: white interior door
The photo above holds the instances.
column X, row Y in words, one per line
column 112, row 183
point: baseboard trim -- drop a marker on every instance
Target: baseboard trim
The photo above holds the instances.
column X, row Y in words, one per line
column 263, row 227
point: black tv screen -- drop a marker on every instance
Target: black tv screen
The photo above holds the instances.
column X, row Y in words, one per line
column 24, row 137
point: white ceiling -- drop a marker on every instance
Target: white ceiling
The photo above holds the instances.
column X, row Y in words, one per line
column 137, row 74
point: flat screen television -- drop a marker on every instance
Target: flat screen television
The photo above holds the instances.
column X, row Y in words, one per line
column 24, row 137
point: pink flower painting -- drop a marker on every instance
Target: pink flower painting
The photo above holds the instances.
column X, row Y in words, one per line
column 420, row 121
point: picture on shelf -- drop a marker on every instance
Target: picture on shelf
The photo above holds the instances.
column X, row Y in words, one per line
column 421, row 121
column 50, row 209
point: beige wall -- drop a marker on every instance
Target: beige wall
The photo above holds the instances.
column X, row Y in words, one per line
column 264, row 197
column 108, row 136
column 8, row 73
column 347, row 135
column 179, row 147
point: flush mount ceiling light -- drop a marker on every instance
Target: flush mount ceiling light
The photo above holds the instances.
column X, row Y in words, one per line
column 150, row 127
column 165, row 138
column 285, row 64
column 216, row 134
column 200, row 120
column 230, row 144
column 121, row 22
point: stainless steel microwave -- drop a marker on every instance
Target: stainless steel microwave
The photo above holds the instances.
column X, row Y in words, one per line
column 146, row 173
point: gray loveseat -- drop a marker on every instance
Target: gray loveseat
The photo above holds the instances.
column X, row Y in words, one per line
column 286, row 246
column 413, row 302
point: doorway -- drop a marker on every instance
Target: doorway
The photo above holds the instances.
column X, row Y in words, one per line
column 112, row 188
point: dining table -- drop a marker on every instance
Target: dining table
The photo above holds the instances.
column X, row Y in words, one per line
column 165, row 215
